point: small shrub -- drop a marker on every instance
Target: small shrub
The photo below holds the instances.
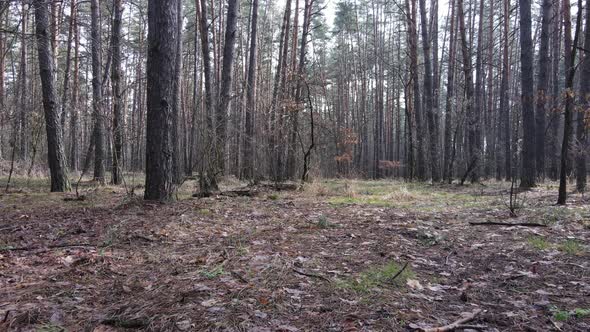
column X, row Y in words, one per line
column 273, row 197
column 571, row 247
column 581, row 313
column 323, row 222
column 539, row 242
column 213, row 273
column 377, row 277
column 561, row 315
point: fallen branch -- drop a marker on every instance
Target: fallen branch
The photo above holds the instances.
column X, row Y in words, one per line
column 459, row 324
column 54, row 246
column 508, row 224
column 311, row 275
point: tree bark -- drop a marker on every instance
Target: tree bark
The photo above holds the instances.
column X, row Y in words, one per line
column 118, row 124
column 97, row 102
column 163, row 28
column 570, row 62
column 583, row 113
column 55, row 148
column 428, row 91
column 249, row 157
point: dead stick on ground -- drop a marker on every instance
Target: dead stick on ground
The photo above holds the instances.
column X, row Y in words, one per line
column 455, row 325
column 55, row 246
column 399, row 272
column 497, row 223
column 311, row 275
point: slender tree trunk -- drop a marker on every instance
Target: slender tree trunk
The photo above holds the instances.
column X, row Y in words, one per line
column 249, row 157
column 448, row 175
column 117, row 94
column 163, row 28
column 226, row 84
column 55, row 147
column 542, row 86
column 583, row 114
column 473, row 161
column 177, row 103
column 570, row 62
column 74, row 158
column 428, row 91
column 97, row 102
column 207, row 181
column 504, row 160
column 23, row 120
column 528, row 174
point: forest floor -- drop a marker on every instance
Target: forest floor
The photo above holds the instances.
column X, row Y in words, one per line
column 327, row 258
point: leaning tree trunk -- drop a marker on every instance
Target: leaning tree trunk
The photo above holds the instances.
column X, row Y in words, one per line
column 163, row 28
column 117, row 95
column 55, row 147
column 97, row 102
column 249, row 157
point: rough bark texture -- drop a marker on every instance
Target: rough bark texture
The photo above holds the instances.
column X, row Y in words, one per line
column 55, row 148
column 249, row 157
column 162, row 33
column 428, row 91
column 528, row 175
column 584, row 111
column 542, row 86
column 570, row 63
column 97, row 102
column 118, row 124
column 226, row 83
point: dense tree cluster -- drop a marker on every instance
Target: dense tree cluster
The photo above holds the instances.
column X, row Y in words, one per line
column 461, row 90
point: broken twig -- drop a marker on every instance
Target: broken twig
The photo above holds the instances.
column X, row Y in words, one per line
column 459, row 324
column 508, row 224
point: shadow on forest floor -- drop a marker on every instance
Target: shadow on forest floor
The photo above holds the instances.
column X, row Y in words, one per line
column 340, row 255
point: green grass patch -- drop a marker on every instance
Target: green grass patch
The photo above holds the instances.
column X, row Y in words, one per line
column 571, row 247
column 375, row 277
column 49, row 328
column 581, row 313
column 213, row 273
column 539, row 242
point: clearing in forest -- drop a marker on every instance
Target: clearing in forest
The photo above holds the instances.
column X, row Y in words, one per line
column 336, row 256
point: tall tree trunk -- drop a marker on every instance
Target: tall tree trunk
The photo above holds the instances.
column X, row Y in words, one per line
column 117, row 94
column 528, row 174
column 542, row 85
column 207, row 173
column 226, row 84
column 416, row 120
column 473, row 161
column 74, row 123
column 55, row 147
column 23, row 120
column 97, row 98
column 249, row 157
column 504, row 160
column 583, row 113
column 177, row 103
column 474, row 122
column 448, row 136
column 163, row 28
column 279, row 90
column 570, row 63
column 428, row 91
